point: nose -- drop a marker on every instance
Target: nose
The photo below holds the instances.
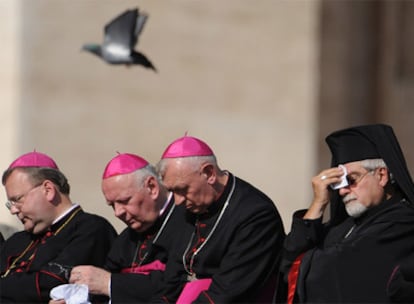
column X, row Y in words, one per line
column 344, row 191
column 178, row 199
column 14, row 210
column 118, row 209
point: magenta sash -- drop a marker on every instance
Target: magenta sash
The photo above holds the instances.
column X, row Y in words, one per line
column 192, row 290
column 145, row 269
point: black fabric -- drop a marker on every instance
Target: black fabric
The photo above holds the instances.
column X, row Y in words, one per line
column 351, row 260
column 137, row 288
column 351, row 145
column 85, row 239
column 401, row 284
column 356, row 268
column 242, row 255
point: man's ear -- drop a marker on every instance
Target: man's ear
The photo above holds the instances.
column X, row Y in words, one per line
column 50, row 190
column 208, row 171
column 383, row 176
column 151, row 185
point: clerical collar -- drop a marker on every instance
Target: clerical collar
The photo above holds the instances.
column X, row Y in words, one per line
column 218, row 204
column 227, row 195
column 166, row 204
column 67, row 211
column 157, row 228
column 163, row 217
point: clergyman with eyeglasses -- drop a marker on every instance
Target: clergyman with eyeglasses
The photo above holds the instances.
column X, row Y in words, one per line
column 57, row 233
column 370, row 194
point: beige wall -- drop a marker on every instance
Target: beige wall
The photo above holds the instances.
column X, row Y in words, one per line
column 10, row 83
column 240, row 75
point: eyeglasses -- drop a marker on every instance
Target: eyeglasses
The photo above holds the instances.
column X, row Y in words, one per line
column 353, row 179
column 16, row 201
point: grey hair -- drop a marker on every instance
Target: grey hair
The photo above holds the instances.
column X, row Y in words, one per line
column 372, row 164
column 142, row 174
column 194, row 161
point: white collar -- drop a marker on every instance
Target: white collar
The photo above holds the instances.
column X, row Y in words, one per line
column 166, row 204
column 65, row 213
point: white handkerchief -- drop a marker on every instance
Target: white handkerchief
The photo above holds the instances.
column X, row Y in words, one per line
column 343, row 182
column 71, row 293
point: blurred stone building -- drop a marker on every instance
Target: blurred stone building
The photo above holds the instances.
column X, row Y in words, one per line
column 262, row 82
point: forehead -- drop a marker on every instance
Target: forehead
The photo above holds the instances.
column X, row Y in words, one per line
column 125, row 184
column 178, row 172
column 17, row 178
column 16, row 181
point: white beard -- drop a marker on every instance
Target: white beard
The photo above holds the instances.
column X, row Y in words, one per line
column 354, row 208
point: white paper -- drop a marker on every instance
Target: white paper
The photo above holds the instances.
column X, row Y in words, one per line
column 343, row 182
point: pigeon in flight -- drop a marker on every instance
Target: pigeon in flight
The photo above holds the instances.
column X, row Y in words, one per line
column 120, row 37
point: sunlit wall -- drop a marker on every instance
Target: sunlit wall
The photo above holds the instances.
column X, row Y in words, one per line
column 241, row 75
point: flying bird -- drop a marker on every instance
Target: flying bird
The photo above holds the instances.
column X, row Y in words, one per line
column 120, row 37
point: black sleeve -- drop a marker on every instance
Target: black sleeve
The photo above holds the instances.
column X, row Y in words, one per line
column 134, row 288
column 304, row 235
column 401, row 283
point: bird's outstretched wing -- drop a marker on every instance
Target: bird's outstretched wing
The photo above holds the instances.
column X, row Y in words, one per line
column 119, row 33
column 140, row 22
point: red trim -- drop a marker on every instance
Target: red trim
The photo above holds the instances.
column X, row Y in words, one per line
column 9, row 261
column 12, row 260
column 394, row 271
column 53, row 275
column 210, row 300
column 293, row 278
column 37, row 281
column 39, row 294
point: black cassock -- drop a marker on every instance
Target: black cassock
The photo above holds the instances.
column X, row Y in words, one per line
column 133, row 250
column 240, row 255
column 31, row 265
column 354, row 261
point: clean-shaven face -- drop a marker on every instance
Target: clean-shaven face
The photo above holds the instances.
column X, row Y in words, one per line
column 188, row 184
column 30, row 203
column 131, row 201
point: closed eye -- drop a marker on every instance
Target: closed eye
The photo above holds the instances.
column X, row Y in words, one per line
column 351, row 179
column 121, row 202
column 180, row 190
column 16, row 199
